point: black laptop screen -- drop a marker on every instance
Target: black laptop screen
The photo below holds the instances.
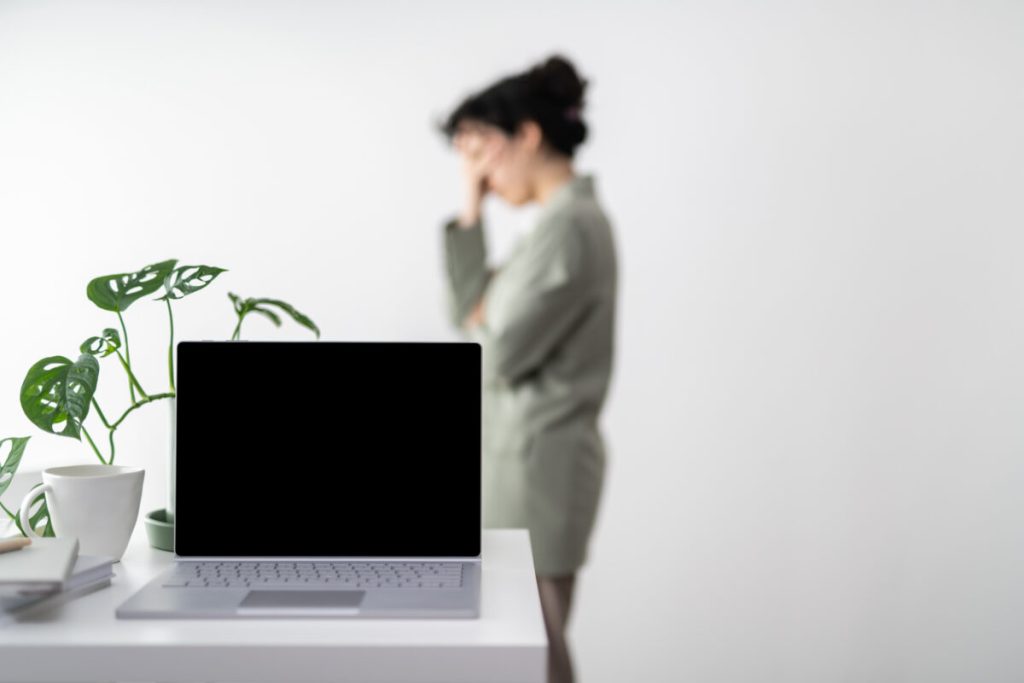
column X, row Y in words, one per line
column 325, row 449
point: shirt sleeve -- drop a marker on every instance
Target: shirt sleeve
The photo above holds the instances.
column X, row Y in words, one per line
column 466, row 265
column 539, row 312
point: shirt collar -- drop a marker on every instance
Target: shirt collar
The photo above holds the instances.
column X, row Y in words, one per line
column 577, row 186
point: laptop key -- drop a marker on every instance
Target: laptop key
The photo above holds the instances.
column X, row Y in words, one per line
column 430, row 575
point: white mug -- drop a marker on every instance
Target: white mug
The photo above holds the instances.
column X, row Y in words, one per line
column 98, row 504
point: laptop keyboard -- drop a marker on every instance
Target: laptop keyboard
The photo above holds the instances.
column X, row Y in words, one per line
column 316, row 575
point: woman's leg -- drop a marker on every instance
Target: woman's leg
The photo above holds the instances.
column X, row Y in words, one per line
column 555, row 600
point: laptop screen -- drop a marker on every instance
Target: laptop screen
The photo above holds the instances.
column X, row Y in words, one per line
column 328, row 449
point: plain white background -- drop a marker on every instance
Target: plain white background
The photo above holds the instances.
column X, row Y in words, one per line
column 816, row 426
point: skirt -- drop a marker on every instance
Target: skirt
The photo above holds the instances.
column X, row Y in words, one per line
column 550, row 483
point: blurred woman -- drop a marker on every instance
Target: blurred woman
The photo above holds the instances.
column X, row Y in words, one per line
column 544, row 318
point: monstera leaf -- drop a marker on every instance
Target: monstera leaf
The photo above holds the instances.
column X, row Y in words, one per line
column 185, row 280
column 56, row 393
column 35, row 517
column 117, row 292
column 245, row 306
column 269, row 314
column 102, row 346
column 9, row 464
column 301, row 319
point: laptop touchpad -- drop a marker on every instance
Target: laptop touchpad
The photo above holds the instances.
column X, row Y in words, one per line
column 301, row 602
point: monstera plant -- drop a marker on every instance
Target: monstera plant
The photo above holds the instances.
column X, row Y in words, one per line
column 58, row 393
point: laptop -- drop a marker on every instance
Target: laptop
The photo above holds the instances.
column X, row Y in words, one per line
column 323, row 479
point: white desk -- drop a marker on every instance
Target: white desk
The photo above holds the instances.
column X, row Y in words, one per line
column 82, row 641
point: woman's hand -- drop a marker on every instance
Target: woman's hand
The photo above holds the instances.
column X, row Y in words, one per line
column 476, row 316
column 477, row 147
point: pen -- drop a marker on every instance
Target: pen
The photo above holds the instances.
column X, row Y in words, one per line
column 9, row 544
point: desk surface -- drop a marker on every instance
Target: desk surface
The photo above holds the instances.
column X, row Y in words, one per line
column 82, row 641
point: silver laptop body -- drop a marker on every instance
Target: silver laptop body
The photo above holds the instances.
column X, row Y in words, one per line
column 397, row 469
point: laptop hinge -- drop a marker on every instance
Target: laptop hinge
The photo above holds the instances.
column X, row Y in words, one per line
column 217, row 558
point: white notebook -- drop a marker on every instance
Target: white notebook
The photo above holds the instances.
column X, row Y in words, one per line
column 90, row 573
column 38, row 568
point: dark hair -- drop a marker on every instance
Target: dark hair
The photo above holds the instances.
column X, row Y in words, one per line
column 550, row 94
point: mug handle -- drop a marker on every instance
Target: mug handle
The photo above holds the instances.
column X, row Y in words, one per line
column 26, row 502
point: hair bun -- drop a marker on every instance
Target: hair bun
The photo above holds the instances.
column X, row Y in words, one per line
column 557, row 79
column 550, row 94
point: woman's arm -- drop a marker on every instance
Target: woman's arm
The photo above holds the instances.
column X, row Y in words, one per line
column 540, row 310
column 465, row 246
column 466, row 267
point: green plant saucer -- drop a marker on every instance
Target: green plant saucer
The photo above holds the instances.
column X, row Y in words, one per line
column 159, row 531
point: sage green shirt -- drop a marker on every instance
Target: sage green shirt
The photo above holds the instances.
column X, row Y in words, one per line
column 547, row 346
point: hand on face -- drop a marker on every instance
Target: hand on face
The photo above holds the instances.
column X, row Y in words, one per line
column 479, row 147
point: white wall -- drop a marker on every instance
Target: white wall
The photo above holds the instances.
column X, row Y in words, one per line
column 817, row 421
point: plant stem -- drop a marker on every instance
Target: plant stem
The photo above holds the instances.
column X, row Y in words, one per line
column 148, row 399
column 113, row 427
column 9, row 513
column 112, row 448
column 14, row 518
column 132, row 379
column 128, row 353
column 110, row 432
column 93, row 444
column 100, row 413
column 238, row 329
column 170, row 349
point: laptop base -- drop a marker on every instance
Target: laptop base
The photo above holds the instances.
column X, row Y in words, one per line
column 157, row 601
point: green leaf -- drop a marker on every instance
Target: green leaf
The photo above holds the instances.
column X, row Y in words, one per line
column 290, row 310
column 243, row 307
column 185, row 280
column 42, row 512
column 117, row 292
column 56, row 393
column 266, row 312
column 105, row 345
column 236, row 301
column 10, row 464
